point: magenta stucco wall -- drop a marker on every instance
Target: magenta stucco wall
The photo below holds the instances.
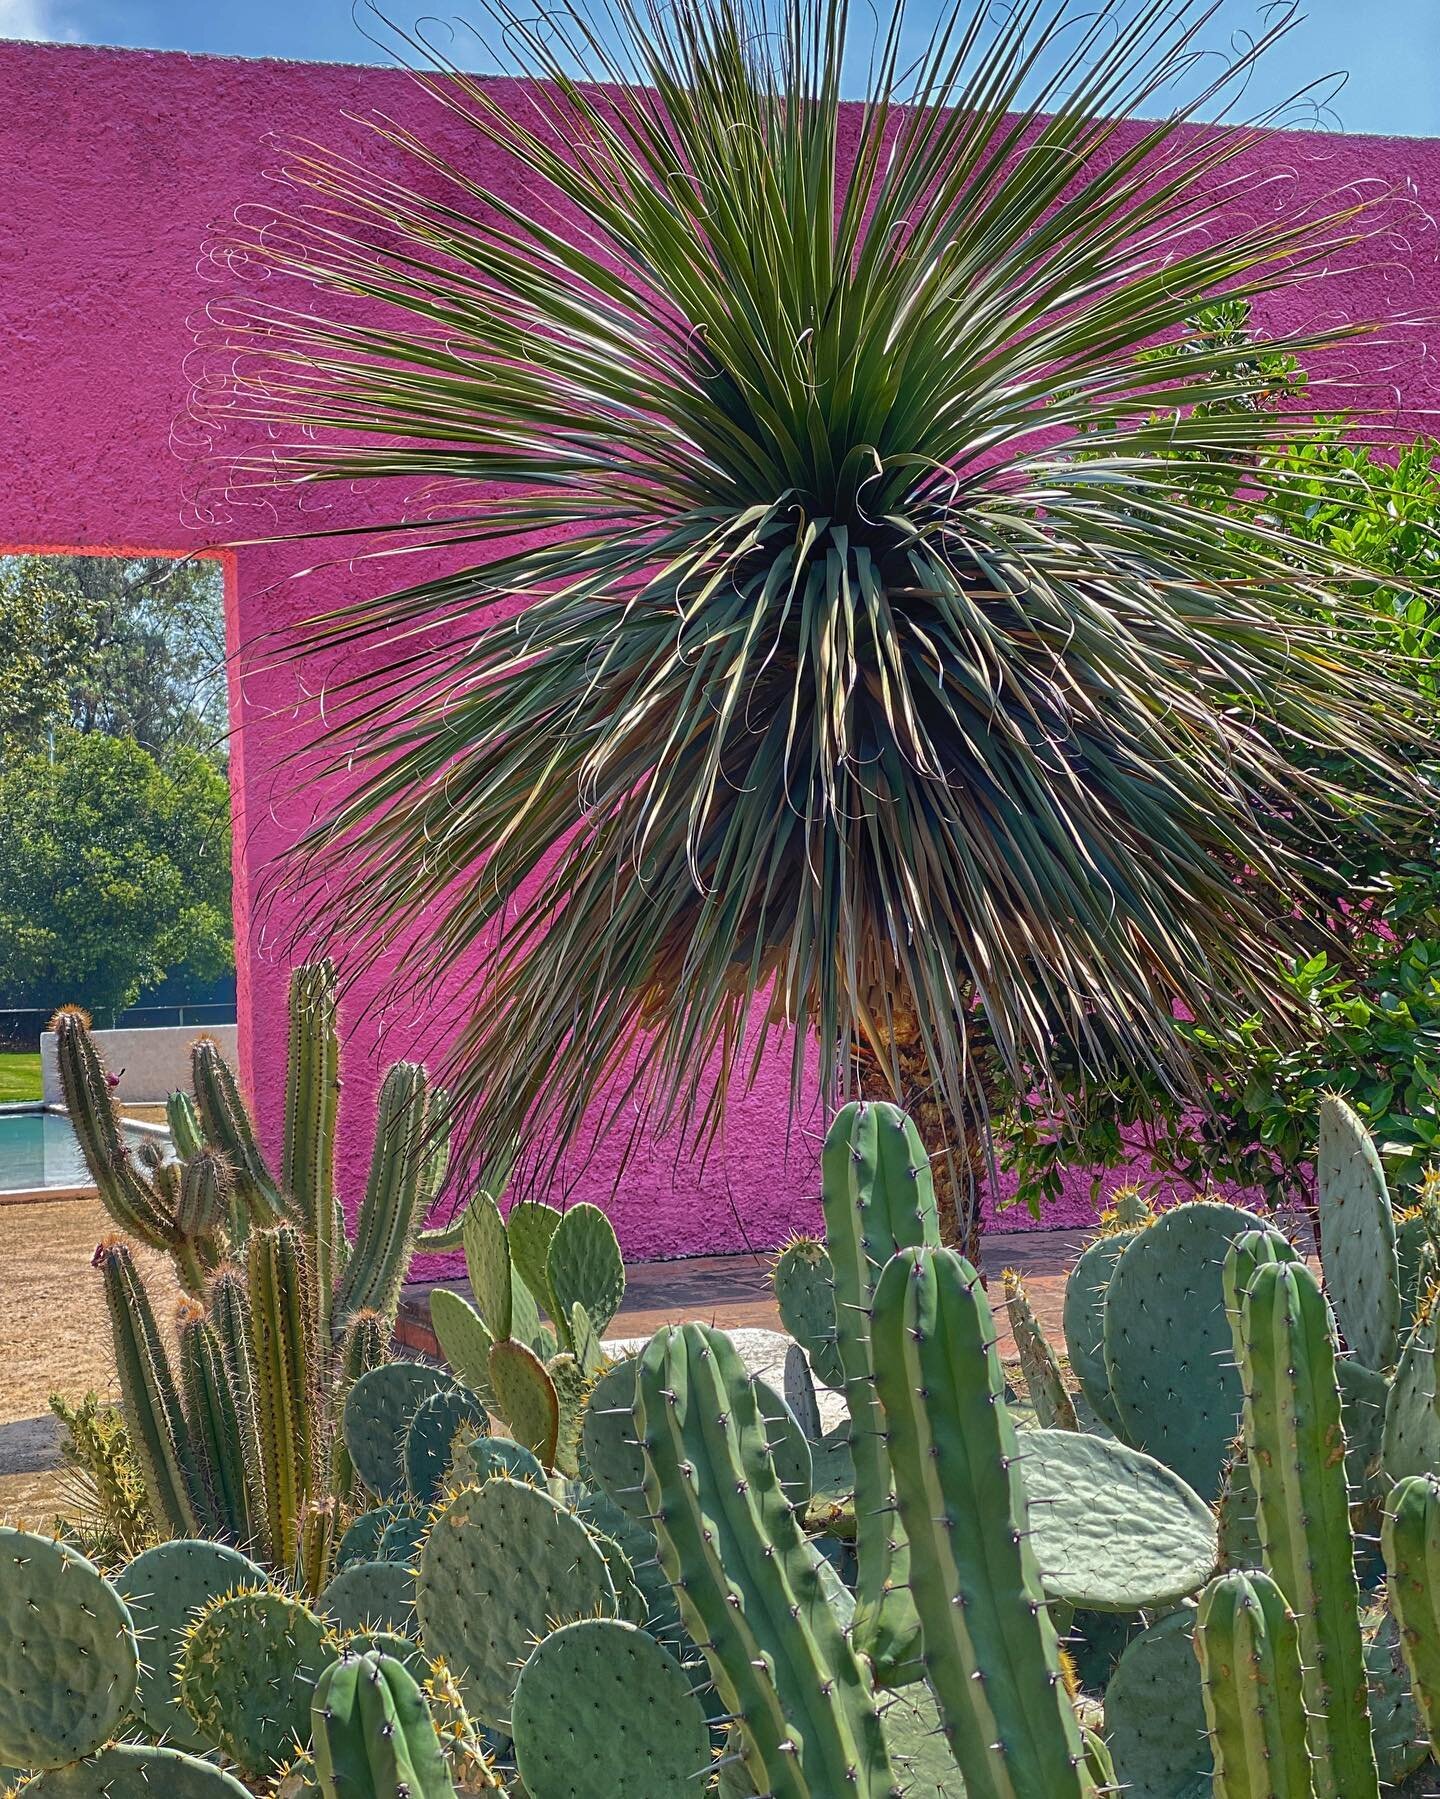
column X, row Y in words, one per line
column 119, row 166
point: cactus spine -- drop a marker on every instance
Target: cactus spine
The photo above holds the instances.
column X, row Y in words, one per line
column 389, row 1211
column 282, row 1342
column 878, row 1198
column 227, row 1126
column 991, row 1653
column 1249, row 1651
column 312, row 1098
column 215, row 1423
column 1297, row 1462
column 746, row 1579
column 1410, row 1537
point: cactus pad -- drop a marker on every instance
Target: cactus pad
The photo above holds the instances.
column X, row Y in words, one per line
column 164, row 1589
column 483, row 1456
column 585, row 1267
column 526, row 1395
column 1168, row 1350
column 430, row 1439
column 502, row 1565
column 1113, row 1529
column 464, row 1339
column 1155, row 1715
column 69, row 1663
column 371, row 1596
column 378, row 1413
column 804, row 1279
column 1084, row 1321
column 1357, row 1235
column 601, row 1708
column 401, row 1539
column 133, row 1771
column 607, row 1520
column 247, row 1673
column 361, row 1542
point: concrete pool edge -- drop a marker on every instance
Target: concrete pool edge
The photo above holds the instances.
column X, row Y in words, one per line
column 34, row 1196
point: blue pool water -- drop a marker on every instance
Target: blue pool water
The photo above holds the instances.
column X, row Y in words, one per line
column 38, row 1149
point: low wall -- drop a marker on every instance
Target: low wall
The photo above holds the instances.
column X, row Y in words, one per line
column 151, row 1063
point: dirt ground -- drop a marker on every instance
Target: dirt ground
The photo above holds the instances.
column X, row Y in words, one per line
column 54, row 1335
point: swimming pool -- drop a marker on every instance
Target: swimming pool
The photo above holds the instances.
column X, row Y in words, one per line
column 38, row 1151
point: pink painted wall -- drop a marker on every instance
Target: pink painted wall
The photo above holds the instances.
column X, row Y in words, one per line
column 119, row 167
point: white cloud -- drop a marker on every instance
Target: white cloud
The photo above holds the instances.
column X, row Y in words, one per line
column 31, row 19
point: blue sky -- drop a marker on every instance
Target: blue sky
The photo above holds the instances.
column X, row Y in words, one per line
column 1390, row 48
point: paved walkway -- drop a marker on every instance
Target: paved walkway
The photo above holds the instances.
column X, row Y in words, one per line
column 734, row 1292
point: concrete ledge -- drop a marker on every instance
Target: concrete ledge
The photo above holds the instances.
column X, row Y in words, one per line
column 151, row 1063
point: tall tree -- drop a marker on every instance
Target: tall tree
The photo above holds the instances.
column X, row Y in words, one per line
column 822, row 646
column 114, row 871
column 132, row 646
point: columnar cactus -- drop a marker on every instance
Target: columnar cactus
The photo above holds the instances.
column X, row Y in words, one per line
column 750, row 1588
column 878, row 1198
column 990, row 1650
column 373, row 1734
column 1410, row 1538
column 1249, row 1650
column 1296, row 1451
column 283, row 1361
column 1039, row 1364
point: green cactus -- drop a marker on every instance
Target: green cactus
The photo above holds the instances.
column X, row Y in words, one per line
column 390, row 1211
column 1039, row 1364
column 159, row 1432
column 141, row 1199
column 246, row 1674
column 215, row 1428
column 284, row 1362
column 378, row 1414
column 645, row 1730
column 1249, row 1652
column 1295, row 1447
column 370, row 1596
column 584, row 1267
column 430, row 1441
column 502, row 1564
column 1083, row 1321
column 1410, row 1539
column 878, row 1198
column 526, row 1396
column 804, row 1280
column 69, row 1660
column 1357, row 1235
column 991, row 1653
column 746, row 1579
column 464, row 1338
column 227, row 1126
column 312, row 1098
column 165, row 1587
column 1155, row 1715
column 373, row 1734
column 137, row 1771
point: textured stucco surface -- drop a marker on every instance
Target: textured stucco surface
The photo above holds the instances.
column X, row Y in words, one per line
column 122, row 169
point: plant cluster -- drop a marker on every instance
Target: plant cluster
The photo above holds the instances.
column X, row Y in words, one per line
column 566, row 1571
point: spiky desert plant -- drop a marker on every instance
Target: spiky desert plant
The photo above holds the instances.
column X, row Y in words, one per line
column 838, row 651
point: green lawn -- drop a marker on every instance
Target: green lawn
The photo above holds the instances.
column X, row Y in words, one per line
column 19, row 1075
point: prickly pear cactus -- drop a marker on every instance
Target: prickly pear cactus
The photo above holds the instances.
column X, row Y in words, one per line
column 374, row 1735
column 429, row 1443
column 526, row 1395
column 602, row 1708
column 1411, row 1544
column 371, row 1596
column 1168, row 1350
column 165, row 1588
column 1083, row 1321
column 585, row 1268
column 378, row 1414
column 1357, row 1235
column 247, row 1675
column 480, row 1457
column 1155, row 1715
column 69, row 1661
column 361, row 1542
column 502, row 1564
column 1113, row 1529
column 135, row 1771
column 464, row 1338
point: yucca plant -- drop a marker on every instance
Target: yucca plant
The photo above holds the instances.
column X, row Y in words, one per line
column 821, row 643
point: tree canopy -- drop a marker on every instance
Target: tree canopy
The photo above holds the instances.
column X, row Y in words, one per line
column 114, row 871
